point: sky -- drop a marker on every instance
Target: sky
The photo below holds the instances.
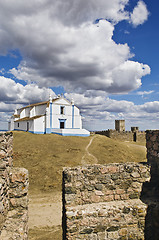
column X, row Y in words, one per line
column 103, row 54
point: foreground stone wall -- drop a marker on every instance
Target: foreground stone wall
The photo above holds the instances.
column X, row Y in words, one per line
column 114, row 201
column 13, row 194
column 103, row 201
column 151, row 190
column 5, row 164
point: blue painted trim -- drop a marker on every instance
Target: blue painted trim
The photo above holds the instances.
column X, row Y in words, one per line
column 29, row 131
column 19, row 130
column 48, row 130
column 50, row 115
column 65, row 128
column 36, row 132
column 69, row 134
column 73, row 116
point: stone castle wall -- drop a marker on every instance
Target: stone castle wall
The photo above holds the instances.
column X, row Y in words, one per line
column 138, row 136
column 151, row 192
column 13, row 194
column 103, row 201
column 114, row 201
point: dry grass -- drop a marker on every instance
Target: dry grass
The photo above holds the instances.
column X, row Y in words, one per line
column 108, row 150
column 46, row 155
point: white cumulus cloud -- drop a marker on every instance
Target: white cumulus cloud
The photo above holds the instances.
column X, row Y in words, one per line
column 15, row 93
column 61, row 45
column 140, row 14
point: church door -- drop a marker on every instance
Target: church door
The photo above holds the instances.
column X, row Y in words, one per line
column 27, row 126
column 62, row 125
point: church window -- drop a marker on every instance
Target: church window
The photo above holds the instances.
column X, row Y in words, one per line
column 62, row 110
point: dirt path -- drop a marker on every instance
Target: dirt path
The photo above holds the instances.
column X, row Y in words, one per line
column 45, row 216
column 137, row 146
column 45, row 210
column 89, row 158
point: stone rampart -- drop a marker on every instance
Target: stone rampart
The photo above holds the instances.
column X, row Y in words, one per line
column 103, row 201
column 13, row 197
column 141, row 136
column 115, row 201
column 138, row 136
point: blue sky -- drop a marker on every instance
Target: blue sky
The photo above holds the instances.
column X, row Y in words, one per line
column 110, row 67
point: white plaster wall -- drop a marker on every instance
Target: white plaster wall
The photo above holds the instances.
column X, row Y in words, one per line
column 68, row 114
column 22, row 113
column 39, row 124
column 55, row 109
column 55, row 121
column 32, row 112
column 27, row 112
column 47, row 118
column 61, row 101
column 31, row 125
column 56, row 117
column 22, row 125
column 69, row 110
column 11, row 124
column 76, row 111
column 40, row 110
column 68, row 123
column 77, row 122
column 74, row 132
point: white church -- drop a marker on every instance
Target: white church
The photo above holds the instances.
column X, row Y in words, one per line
column 57, row 116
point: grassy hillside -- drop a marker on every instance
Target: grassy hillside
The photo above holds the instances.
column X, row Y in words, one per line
column 108, row 150
column 45, row 155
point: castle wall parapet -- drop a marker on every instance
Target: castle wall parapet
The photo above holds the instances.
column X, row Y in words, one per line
column 137, row 136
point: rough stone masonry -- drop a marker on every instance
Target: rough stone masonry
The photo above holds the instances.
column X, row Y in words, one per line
column 113, row 201
column 103, row 201
column 13, row 194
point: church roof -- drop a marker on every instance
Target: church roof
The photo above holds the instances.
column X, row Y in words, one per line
column 35, row 104
column 41, row 103
column 16, row 115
